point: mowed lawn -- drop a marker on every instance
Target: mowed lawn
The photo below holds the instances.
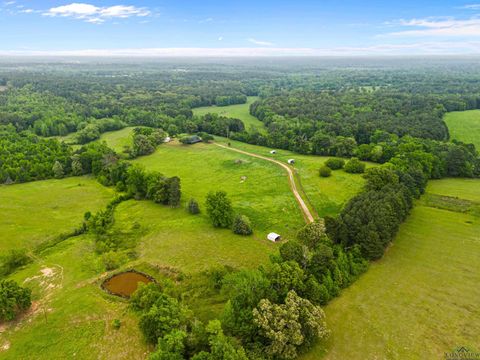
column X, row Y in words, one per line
column 421, row 299
column 34, row 212
column 464, row 126
column 239, row 111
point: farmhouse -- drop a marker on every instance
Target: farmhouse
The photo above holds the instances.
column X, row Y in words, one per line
column 274, row 237
column 291, row 161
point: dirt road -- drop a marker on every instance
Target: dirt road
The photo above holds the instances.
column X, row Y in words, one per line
column 291, row 180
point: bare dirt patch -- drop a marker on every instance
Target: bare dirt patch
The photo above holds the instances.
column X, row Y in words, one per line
column 5, row 346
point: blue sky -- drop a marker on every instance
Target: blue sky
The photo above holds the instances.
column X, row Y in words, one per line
column 211, row 27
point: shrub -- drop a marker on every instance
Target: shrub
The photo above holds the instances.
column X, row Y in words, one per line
column 355, row 166
column 113, row 260
column 325, row 171
column 216, row 275
column 335, row 163
column 13, row 299
column 116, row 323
column 193, row 207
column 13, row 260
column 145, row 296
column 241, row 225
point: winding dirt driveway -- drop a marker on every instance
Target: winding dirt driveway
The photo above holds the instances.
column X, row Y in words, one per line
column 291, row 180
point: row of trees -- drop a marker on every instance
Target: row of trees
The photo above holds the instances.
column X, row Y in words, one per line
column 371, row 219
column 448, row 158
column 134, row 182
column 230, row 100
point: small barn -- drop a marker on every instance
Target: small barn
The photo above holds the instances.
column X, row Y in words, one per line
column 273, row 152
column 274, row 237
column 291, row 161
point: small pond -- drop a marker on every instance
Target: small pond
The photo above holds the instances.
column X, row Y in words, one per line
column 125, row 284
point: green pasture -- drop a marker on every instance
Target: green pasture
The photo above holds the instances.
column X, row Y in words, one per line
column 326, row 195
column 257, row 188
column 464, row 126
column 119, row 139
column 239, row 111
column 71, row 317
column 421, row 299
column 34, row 212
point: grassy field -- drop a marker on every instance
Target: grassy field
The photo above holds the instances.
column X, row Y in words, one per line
column 240, row 111
column 264, row 195
column 176, row 239
column 38, row 211
column 421, row 299
column 462, row 188
column 118, row 139
column 464, row 126
column 326, row 195
column 71, row 317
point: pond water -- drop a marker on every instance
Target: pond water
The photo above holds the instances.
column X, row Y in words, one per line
column 125, row 284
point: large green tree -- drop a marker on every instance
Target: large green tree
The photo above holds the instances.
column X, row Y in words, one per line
column 219, row 209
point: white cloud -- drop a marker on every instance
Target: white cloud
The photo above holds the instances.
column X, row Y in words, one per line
column 122, row 11
column 439, row 27
column 207, row 20
column 407, row 49
column 260, row 42
column 94, row 14
column 27, row 11
column 220, row 38
column 8, row 3
column 472, row 6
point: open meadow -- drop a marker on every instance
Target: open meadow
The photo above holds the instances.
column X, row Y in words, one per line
column 118, row 139
column 326, row 195
column 464, row 126
column 419, row 301
column 35, row 212
column 71, row 317
column 239, row 111
column 257, row 188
